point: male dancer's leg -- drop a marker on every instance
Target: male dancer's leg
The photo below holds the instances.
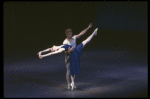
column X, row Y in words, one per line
column 68, row 78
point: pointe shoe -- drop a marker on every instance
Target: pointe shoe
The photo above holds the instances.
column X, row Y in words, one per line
column 95, row 31
column 73, row 86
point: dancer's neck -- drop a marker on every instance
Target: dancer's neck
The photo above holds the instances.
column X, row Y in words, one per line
column 69, row 39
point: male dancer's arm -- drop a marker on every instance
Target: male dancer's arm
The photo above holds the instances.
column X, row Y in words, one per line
column 84, row 31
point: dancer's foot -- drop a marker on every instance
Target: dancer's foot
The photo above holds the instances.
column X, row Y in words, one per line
column 95, row 31
column 73, row 86
column 69, row 86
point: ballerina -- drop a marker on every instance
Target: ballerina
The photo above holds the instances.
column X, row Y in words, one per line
column 74, row 56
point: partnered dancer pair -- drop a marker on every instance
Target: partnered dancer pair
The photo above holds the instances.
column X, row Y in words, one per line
column 74, row 56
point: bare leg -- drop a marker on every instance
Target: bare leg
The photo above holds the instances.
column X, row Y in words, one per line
column 72, row 83
column 72, row 78
column 68, row 78
column 90, row 37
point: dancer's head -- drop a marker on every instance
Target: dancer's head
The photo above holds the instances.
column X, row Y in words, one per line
column 68, row 33
column 54, row 48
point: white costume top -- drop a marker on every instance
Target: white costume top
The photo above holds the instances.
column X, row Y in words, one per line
column 72, row 43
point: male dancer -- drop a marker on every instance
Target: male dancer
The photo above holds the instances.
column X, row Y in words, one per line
column 71, row 41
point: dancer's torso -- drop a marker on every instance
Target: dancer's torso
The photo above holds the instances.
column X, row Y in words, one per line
column 72, row 43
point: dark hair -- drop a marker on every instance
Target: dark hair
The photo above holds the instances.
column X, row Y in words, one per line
column 67, row 31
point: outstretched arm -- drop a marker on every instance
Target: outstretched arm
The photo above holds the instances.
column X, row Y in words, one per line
column 84, row 31
column 52, row 53
column 46, row 50
column 39, row 53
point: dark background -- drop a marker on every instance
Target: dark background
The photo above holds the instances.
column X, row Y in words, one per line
column 113, row 64
column 29, row 27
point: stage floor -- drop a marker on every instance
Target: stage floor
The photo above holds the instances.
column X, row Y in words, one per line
column 103, row 74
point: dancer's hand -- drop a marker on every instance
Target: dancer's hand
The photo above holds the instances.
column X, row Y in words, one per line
column 39, row 53
column 40, row 56
column 67, row 52
column 70, row 49
column 90, row 25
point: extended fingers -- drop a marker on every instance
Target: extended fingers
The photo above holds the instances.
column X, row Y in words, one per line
column 72, row 48
column 40, row 57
